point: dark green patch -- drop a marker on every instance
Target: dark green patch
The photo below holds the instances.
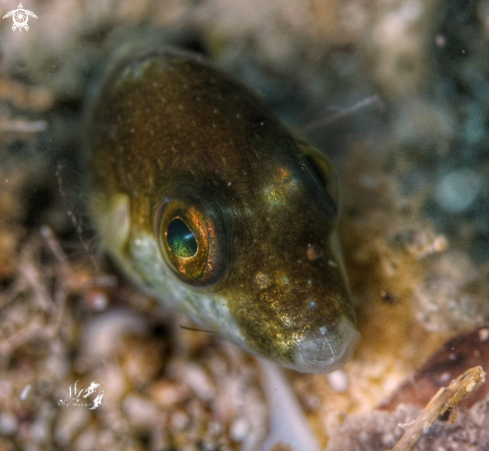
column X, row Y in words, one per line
column 181, row 239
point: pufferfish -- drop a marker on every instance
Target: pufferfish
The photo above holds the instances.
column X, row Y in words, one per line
column 208, row 203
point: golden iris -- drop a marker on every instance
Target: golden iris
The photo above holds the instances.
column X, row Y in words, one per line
column 188, row 242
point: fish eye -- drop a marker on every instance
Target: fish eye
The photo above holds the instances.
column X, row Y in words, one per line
column 188, row 241
column 323, row 171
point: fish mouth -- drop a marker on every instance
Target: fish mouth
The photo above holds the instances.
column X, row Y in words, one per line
column 324, row 351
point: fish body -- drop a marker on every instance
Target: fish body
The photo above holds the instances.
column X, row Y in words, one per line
column 206, row 201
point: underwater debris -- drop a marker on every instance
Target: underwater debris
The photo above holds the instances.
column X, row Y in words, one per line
column 40, row 329
column 46, row 286
column 459, row 354
column 445, row 400
column 452, row 295
column 381, row 431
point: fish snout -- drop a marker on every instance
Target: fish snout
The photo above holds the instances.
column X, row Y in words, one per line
column 325, row 350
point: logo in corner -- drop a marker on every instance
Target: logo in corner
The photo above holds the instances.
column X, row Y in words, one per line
column 90, row 397
column 20, row 17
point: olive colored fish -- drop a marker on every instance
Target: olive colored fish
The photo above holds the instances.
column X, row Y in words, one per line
column 206, row 201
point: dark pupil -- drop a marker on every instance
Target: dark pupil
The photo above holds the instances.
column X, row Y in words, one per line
column 181, row 240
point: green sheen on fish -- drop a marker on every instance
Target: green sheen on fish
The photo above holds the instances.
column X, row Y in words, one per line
column 207, row 202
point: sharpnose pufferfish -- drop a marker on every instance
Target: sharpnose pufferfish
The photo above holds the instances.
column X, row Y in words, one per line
column 207, row 202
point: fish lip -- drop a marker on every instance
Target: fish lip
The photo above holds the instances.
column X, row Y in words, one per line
column 326, row 351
